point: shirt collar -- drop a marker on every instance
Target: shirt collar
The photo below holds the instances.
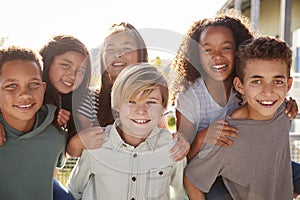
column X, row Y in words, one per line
column 150, row 142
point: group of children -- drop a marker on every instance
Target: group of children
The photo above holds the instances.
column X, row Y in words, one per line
column 229, row 96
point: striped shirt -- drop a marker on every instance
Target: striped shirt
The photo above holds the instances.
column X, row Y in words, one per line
column 89, row 106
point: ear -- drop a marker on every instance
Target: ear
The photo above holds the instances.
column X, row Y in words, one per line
column 290, row 83
column 238, row 85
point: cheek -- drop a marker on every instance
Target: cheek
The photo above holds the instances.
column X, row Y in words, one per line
column 40, row 95
column 124, row 110
column 55, row 74
column 3, row 99
column 132, row 57
column 203, row 60
column 283, row 92
column 251, row 93
column 156, row 111
column 107, row 59
column 78, row 81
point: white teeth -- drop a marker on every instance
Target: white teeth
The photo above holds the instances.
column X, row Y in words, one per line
column 218, row 66
column 67, row 83
column 25, row 106
column 267, row 102
column 118, row 64
column 140, row 121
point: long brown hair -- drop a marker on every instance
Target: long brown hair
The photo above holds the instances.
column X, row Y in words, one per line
column 104, row 115
column 58, row 45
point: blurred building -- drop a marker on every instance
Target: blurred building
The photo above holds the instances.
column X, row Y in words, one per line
column 278, row 18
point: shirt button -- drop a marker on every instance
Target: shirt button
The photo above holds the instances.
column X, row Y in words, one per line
column 133, row 178
column 161, row 173
column 132, row 198
column 135, row 155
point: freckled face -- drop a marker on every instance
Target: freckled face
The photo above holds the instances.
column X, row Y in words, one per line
column 265, row 87
column 67, row 72
column 217, row 48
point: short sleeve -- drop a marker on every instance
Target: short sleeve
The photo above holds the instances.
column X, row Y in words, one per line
column 185, row 105
column 203, row 171
column 89, row 106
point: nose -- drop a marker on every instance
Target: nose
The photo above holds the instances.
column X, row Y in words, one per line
column 25, row 93
column 119, row 53
column 216, row 54
column 268, row 88
column 72, row 73
column 141, row 108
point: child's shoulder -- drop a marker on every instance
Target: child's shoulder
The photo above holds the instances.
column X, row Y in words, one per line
column 240, row 113
column 165, row 137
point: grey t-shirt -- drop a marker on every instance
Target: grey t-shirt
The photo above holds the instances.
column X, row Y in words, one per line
column 257, row 166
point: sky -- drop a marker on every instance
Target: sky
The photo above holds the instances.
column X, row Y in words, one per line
column 31, row 23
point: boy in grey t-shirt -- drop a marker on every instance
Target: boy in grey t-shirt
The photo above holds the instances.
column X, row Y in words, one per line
column 258, row 164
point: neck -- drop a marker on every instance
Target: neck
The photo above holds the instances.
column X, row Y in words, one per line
column 23, row 126
column 129, row 138
column 246, row 113
column 219, row 90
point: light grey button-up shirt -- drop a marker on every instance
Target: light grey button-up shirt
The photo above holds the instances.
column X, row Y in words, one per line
column 122, row 171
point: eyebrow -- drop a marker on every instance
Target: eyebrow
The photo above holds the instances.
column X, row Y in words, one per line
column 67, row 60
column 124, row 43
column 16, row 80
column 225, row 42
column 154, row 98
column 277, row 76
column 72, row 63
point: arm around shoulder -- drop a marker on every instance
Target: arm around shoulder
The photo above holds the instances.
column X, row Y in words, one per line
column 75, row 146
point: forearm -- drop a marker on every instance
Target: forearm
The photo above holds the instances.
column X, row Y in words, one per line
column 196, row 144
column 75, row 146
column 193, row 192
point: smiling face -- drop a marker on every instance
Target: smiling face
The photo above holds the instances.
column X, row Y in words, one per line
column 67, row 72
column 217, row 48
column 265, row 86
column 140, row 116
column 21, row 92
column 120, row 51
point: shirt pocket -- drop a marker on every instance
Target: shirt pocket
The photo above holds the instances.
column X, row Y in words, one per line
column 157, row 183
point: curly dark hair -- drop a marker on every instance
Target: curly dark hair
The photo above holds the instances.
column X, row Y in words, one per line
column 14, row 53
column 264, row 48
column 186, row 63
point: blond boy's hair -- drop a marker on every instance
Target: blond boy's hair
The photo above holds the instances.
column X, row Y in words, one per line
column 137, row 78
